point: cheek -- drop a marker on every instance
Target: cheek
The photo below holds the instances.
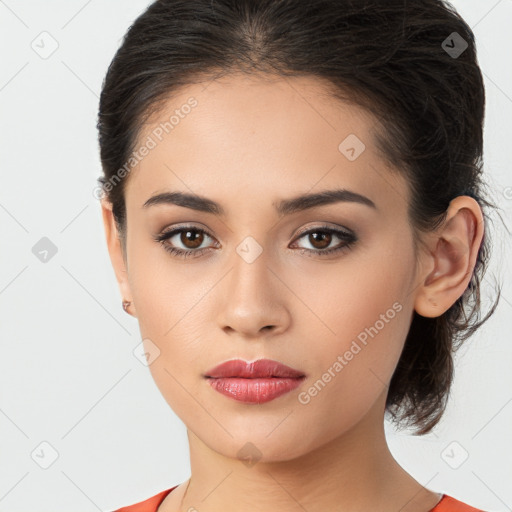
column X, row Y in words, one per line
column 354, row 369
column 358, row 293
column 177, row 369
column 368, row 313
column 165, row 295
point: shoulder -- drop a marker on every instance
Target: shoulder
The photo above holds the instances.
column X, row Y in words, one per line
column 148, row 505
column 449, row 504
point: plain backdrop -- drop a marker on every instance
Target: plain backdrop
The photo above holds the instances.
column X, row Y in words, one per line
column 83, row 427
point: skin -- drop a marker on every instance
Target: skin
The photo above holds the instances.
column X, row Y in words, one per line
column 251, row 141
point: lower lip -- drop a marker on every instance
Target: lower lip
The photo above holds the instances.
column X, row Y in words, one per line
column 254, row 391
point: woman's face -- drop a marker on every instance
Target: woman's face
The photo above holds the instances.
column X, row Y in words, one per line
column 340, row 318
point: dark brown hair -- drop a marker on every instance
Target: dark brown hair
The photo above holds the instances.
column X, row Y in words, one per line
column 395, row 58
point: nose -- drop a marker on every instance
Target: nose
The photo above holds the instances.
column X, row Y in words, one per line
column 253, row 299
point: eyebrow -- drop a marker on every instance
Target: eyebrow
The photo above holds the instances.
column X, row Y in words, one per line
column 283, row 207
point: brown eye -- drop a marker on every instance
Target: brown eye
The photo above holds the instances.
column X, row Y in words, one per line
column 320, row 239
column 185, row 241
column 191, row 238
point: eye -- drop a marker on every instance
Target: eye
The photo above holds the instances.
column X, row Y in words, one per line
column 189, row 236
column 321, row 237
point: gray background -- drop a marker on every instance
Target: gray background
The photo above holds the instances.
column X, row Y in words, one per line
column 68, row 376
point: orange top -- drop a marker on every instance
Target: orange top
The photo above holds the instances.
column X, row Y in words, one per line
column 149, row 505
column 447, row 504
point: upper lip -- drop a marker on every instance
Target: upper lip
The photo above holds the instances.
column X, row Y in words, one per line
column 257, row 369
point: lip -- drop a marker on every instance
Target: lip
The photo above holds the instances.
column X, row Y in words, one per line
column 254, row 391
column 262, row 368
column 254, row 383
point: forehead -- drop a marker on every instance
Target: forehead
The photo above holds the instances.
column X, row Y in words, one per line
column 259, row 137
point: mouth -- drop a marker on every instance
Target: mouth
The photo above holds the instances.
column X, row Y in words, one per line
column 254, row 383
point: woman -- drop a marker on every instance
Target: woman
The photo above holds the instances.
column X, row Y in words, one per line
column 293, row 206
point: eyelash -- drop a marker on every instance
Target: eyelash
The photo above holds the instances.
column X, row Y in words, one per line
column 182, row 253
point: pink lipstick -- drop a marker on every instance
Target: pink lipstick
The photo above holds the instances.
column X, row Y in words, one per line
column 254, row 383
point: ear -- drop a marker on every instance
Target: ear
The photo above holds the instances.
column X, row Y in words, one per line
column 451, row 258
column 117, row 256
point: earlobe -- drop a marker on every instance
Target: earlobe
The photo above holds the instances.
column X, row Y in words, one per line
column 453, row 253
column 117, row 257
